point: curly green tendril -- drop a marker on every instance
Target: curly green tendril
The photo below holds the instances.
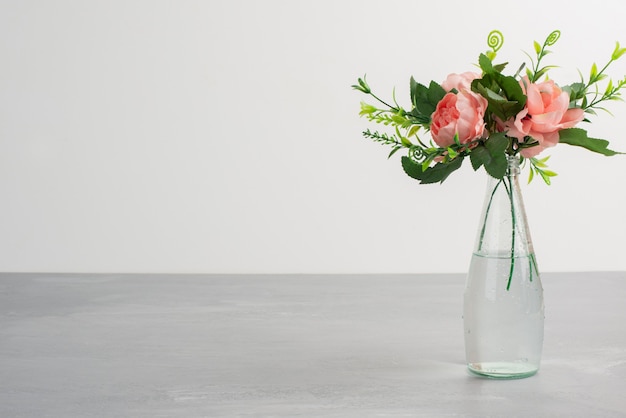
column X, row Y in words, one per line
column 553, row 37
column 495, row 40
column 418, row 153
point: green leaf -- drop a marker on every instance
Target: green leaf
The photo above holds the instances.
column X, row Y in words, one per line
column 436, row 174
column 537, row 47
column 440, row 171
column 419, row 97
column 545, row 177
column 411, row 168
column 400, row 120
column 497, row 164
column 485, row 64
column 594, row 71
column 609, row 88
column 504, row 94
column 497, row 143
column 417, row 117
column 362, row 86
column 425, row 100
column 491, row 155
column 513, row 90
column 479, row 156
column 405, row 142
column 393, row 151
column 576, row 91
column 618, row 52
column 578, row 137
column 367, row 109
column 414, row 86
column 435, row 93
column 540, row 73
column 500, row 67
column 488, row 93
column 413, row 130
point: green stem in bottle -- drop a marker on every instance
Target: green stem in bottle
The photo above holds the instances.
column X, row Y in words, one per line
column 482, row 231
column 533, row 265
column 509, row 191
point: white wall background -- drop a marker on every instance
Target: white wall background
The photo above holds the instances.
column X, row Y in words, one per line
column 223, row 136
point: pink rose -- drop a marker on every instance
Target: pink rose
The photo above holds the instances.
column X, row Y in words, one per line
column 461, row 114
column 546, row 113
column 460, row 81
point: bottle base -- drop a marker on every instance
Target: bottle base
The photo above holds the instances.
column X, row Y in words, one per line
column 502, row 370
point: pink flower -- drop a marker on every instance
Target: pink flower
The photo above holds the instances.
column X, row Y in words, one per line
column 461, row 114
column 546, row 113
column 459, row 81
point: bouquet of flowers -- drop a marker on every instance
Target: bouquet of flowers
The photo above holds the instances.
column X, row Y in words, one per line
column 489, row 115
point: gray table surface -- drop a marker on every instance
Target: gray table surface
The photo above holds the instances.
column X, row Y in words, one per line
column 86, row 345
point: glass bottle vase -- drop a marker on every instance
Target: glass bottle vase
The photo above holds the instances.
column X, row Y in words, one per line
column 503, row 310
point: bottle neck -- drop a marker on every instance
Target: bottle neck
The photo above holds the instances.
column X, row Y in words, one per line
column 504, row 227
column 513, row 168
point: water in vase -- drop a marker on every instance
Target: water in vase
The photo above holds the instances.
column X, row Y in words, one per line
column 503, row 316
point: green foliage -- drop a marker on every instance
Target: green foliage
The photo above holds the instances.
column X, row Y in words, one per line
column 491, row 155
column 424, row 100
column 388, row 118
column 505, row 98
column 503, row 93
column 617, row 52
column 383, row 138
column 367, row 109
column 578, row 137
column 362, row 86
column 411, row 168
column 485, row 64
column 435, row 174
column 587, row 96
column 539, row 167
column 541, row 51
column 576, row 91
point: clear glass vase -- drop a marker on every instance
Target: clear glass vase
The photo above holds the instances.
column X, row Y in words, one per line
column 503, row 310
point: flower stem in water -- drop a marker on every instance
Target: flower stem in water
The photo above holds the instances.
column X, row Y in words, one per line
column 509, row 191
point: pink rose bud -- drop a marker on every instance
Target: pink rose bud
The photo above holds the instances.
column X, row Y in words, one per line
column 461, row 114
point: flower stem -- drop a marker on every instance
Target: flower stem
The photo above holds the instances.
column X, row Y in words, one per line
column 532, row 264
column 482, row 232
column 393, row 108
column 509, row 191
